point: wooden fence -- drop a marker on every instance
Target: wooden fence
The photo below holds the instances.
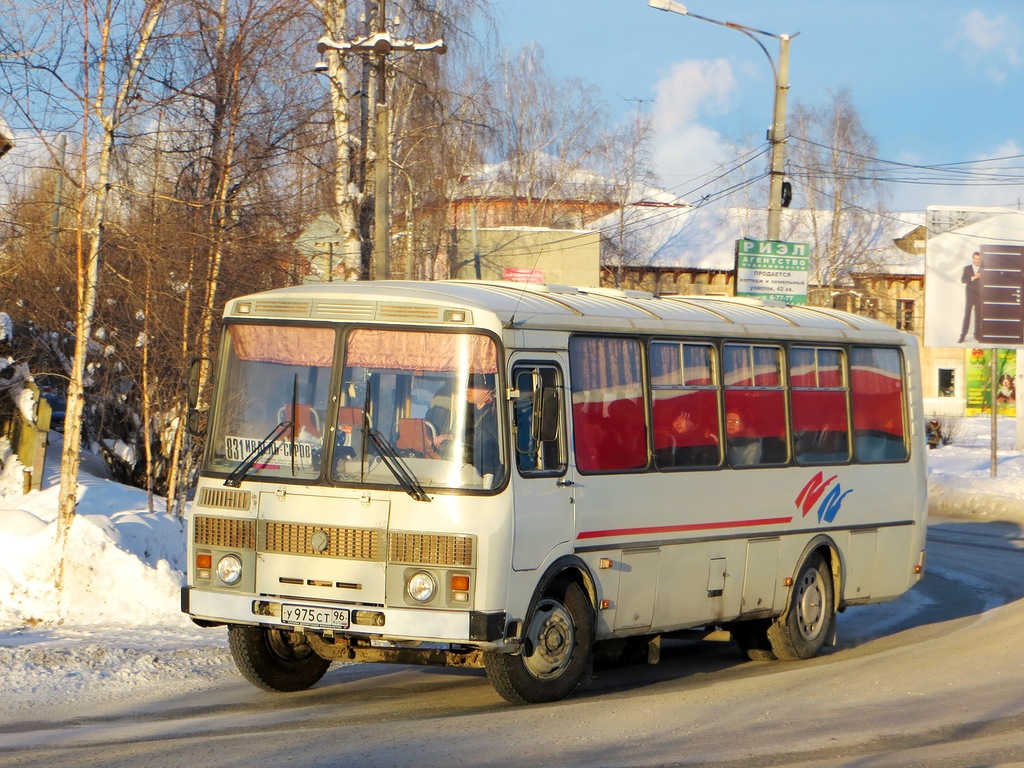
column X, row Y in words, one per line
column 28, row 438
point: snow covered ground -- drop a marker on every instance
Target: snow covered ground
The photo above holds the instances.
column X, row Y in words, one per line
column 117, row 626
column 116, row 629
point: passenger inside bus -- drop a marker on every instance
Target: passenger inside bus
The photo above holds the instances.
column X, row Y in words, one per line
column 744, row 449
column 686, row 442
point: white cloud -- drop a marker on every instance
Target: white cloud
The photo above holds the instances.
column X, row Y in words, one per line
column 693, row 87
column 685, row 148
column 993, row 43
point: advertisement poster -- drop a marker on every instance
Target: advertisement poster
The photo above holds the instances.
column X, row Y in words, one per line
column 772, row 269
column 974, row 278
column 979, row 392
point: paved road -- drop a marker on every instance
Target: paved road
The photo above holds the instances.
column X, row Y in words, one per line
column 936, row 679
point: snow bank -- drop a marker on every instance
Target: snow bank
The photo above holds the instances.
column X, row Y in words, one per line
column 123, row 565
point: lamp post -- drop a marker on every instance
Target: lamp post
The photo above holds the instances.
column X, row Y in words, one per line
column 777, row 132
column 379, row 46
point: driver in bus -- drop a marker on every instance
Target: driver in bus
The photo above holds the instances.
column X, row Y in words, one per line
column 481, row 446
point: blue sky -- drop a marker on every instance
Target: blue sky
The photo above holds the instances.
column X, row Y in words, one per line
column 935, row 82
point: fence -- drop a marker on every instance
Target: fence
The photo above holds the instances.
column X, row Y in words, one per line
column 27, row 438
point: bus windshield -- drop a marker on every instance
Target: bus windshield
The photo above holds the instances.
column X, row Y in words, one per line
column 431, row 398
column 272, row 398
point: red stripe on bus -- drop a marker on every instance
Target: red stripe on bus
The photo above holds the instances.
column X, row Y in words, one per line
column 681, row 528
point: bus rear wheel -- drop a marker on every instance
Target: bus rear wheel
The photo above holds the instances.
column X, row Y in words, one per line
column 807, row 622
column 275, row 659
column 556, row 649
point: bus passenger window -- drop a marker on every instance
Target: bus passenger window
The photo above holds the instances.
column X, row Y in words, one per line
column 755, row 405
column 684, row 405
column 609, row 431
column 876, row 386
column 818, row 394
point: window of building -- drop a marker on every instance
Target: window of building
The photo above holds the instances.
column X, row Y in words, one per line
column 905, row 314
column 947, row 382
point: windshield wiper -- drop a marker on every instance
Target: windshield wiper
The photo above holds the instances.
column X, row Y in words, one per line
column 238, row 473
column 398, row 467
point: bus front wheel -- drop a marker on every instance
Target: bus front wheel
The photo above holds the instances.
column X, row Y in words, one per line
column 556, row 648
column 807, row 623
column 275, row 659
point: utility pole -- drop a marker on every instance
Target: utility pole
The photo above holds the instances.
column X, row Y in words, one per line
column 379, row 46
column 778, row 140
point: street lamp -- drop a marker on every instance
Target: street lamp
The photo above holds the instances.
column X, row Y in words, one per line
column 777, row 132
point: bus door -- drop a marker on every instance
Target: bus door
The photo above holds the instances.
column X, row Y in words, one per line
column 542, row 481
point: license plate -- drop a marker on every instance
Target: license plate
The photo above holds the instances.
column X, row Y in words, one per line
column 312, row 616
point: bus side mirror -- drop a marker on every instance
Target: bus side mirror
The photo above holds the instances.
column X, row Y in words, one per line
column 193, row 382
column 545, row 414
column 194, row 423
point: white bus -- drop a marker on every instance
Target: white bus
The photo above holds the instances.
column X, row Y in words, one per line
column 511, row 476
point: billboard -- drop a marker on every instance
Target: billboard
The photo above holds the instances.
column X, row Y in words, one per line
column 773, row 269
column 979, row 381
column 974, row 277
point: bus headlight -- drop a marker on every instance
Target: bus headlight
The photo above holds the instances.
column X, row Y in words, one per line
column 229, row 569
column 421, row 587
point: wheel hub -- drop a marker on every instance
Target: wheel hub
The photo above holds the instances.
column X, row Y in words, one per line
column 809, row 606
column 551, row 641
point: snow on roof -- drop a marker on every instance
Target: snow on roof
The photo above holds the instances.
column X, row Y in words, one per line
column 540, row 175
column 704, row 237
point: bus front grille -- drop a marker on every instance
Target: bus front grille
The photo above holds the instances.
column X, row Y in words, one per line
column 430, row 549
column 224, row 532
column 225, row 498
column 328, row 541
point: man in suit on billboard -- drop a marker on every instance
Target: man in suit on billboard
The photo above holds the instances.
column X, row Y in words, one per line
column 971, row 278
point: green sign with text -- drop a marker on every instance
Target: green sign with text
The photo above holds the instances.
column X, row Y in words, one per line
column 773, row 269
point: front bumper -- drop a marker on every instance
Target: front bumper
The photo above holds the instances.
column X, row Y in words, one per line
column 414, row 624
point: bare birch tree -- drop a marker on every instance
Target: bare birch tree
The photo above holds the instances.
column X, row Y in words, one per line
column 829, row 160
column 94, row 58
column 545, row 131
column 627, row 167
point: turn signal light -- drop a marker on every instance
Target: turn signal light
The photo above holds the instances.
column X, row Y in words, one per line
column 460, row 583
column 204, row 565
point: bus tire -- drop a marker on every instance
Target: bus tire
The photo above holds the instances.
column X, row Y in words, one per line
column 556, row 650
column 275, row 659
column 801, row 631
column 752, row 639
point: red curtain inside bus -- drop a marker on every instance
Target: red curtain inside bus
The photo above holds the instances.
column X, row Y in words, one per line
column 607, row 404
column 877, row 395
